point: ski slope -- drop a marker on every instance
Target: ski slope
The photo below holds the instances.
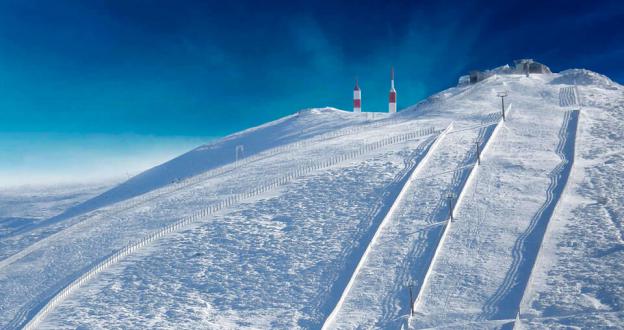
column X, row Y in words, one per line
column 376, row 297
column 511, row 187
column 326, row 218
column 577, row 279
column 85, row 242
column 254, row 265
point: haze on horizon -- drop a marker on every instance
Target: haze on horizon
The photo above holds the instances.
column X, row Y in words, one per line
column 178, row 74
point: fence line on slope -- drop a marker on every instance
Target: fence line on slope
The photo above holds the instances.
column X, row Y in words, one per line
column 185, row 183
column 196, row 179
column 375, row 237
column 447, row 226
column 54, row 301
column 561, row 153
column 490, row 119
column 189, row 181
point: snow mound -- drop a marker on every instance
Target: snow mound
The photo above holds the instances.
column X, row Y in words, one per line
column 316, row 111
column 583, row 77
column 302, row 124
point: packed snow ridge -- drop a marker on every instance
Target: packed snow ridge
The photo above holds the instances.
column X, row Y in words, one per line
column 443, row 215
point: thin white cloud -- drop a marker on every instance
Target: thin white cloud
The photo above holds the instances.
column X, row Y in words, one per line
column 49, row 159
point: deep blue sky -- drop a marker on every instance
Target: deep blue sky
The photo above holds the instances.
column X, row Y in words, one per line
column 90, row 88
column 207, row 68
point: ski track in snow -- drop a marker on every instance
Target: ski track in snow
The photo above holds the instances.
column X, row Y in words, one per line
column 476, row 250
column 388, row 309
column 384, row 221
column 389, row 210
column 568, row 96
column 485, row 140
column 578, row 279
column 526, row 248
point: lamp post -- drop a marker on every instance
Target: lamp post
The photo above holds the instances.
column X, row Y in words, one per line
column 502, row 95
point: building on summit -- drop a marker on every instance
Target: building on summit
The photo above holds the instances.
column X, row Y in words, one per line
column 527, row 66
column 523, row 66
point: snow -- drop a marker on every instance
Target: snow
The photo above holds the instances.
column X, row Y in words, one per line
column 97, row 237
column 410, row 238
column 578, row 276
column 329, row 216
column 253, row 253
column 304, row 124
column 511, row 188
column 25, row 207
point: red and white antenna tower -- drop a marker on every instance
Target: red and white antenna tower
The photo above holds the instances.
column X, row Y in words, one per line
column 392, row 98
column 357, row 98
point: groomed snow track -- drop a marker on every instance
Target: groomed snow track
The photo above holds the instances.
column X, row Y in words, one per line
column 568, row 96
column 29, row 318
column 379, row 213
column 388, row 215
column 485, row 137
column 460, row 177
column 566, row 151
column 528, row 244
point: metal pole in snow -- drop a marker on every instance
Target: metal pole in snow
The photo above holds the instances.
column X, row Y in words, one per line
column 502, row 96
column 241, row 149
column 503, row 106
column 411, row 301
column 478, row 153
column 450, row 202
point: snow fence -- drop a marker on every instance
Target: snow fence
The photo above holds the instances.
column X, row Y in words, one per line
column 139, row 200
column 202, row 214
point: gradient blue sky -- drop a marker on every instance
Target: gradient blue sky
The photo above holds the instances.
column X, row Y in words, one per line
column 202, row 69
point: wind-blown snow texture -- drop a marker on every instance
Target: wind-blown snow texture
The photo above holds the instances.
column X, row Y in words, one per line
column 537, row 238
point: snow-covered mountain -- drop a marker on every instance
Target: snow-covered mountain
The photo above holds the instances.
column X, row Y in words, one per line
column 443, row 215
